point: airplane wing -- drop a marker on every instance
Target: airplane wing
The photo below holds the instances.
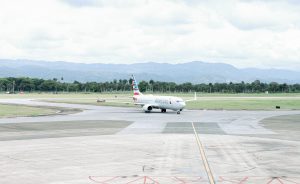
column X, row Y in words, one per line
column 112, row 101
column 127, row 103
column 194, row 99
column 119, row 102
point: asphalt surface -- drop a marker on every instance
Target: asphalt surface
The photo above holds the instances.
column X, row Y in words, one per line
column 125, row 145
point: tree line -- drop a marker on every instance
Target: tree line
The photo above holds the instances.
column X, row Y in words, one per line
column 19, row 84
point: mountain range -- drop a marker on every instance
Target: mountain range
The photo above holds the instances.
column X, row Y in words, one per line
column 195, row 72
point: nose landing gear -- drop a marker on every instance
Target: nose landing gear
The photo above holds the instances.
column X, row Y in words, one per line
column 163, row 110
column 178, row 112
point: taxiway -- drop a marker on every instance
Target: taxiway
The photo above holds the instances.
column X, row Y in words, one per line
column 125, row 145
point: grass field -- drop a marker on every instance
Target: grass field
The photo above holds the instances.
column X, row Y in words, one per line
column 213, row 104
column 12, row 110
column 129, row 94
column 288, row 101
column 19, row 110
column 245, row 104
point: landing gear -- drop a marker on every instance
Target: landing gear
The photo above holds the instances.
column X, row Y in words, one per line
column 178, row 112
column 163, row 110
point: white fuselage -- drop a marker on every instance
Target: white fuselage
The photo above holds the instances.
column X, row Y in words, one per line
column 159, row 102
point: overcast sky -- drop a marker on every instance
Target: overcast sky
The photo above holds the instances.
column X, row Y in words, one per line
column 245, row 33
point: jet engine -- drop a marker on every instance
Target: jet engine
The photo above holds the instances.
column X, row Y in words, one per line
column 147, row 108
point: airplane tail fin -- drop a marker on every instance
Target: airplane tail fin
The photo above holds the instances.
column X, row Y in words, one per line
column 135, row 87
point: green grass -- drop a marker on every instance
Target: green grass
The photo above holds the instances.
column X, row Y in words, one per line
column 52, row 95
column 19, row 110
column 245, row 104
column 129, row 94
column 205, row 100
column 215, row 103
column 88, row 101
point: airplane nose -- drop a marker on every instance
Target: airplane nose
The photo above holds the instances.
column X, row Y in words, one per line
column 183, row 104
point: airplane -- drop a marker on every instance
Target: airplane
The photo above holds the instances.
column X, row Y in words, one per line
column 150, row 102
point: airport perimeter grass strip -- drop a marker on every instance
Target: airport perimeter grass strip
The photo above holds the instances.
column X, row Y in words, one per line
column 203, row 157
column 20, row 110
column 206, row 101
column 130, row 94
column 207, row 104
column 245, row 104
column 14, row 110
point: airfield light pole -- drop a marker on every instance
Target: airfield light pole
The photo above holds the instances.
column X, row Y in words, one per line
column 62, row 80
column 13, row 87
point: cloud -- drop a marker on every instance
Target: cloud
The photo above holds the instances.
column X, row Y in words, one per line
column 103, row 3
column 82, row 3
column 276, row 15
column 243, row 33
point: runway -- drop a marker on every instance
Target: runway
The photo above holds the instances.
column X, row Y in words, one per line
column 125, row 145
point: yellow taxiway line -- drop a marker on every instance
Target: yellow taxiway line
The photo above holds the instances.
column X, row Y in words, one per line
column 203, row 157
